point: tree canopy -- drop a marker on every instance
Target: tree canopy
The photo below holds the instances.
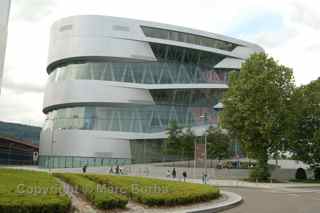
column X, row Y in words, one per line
column 304, row 131
column 255, row 107
column 180, row 142
column 218, row 144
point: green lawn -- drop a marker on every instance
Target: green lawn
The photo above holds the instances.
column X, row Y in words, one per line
column 23, row 191
column 29, row 191
column 102, row 199
column 156, row 192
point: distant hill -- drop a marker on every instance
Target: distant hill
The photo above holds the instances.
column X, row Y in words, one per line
column 20, row 131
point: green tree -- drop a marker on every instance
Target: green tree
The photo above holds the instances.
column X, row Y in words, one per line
column 218, row 144
column 173, row 142
column 304, row 131
column 187, row 144
column 255, row 108
column 180, row 142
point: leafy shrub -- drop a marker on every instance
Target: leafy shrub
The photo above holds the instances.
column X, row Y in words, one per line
column 301, row 174
column 24, row 191
column 260, row 174
column 103, row 199
column 34, row 204
column 317, row 173
column 155, row 192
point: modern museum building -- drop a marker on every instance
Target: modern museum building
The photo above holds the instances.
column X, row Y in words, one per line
column 115, row 84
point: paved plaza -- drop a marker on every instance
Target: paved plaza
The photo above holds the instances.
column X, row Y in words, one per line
column 293, row 200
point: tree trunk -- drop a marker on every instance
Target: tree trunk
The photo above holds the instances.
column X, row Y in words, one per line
column 261, row 171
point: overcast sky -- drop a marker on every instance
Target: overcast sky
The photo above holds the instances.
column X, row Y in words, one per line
column 288, row 30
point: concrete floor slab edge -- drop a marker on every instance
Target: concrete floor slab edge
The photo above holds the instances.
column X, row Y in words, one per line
column 233, row 200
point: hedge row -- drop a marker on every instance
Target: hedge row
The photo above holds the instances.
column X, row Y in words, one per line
column 101, row 197
column 24, row 191
column 34, row 204
column 155, row 192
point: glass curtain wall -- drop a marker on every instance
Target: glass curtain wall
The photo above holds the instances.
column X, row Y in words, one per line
column 183, row 106
column 77, row 161
column 188, row 38
column 174, row 65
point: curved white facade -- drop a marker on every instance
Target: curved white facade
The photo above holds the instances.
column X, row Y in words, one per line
column 115, row 81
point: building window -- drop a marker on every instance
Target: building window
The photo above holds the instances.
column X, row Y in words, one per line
column 188, row 38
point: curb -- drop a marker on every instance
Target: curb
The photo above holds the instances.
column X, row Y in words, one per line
column 233, row 200
column 263, row 185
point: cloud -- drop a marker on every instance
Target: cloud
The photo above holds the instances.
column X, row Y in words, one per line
column 258, row 21
column 305, row 14
column 31, row 10
column 313, row 48
column 22, row 87
column 296, row 43
column 22, row 108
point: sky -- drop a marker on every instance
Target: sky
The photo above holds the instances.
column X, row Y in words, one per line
column 288, row 30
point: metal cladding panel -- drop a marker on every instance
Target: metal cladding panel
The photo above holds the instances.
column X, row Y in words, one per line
column 82, row 143
column 89, row 35
column 99, row 47
column 82, row 36
column 90, row 143
column 90, row 91
column 245, row 52
column 229, row 63
column 4, row 18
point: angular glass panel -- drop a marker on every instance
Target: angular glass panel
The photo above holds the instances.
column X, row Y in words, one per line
column 136, row 124
column 167, row 69
column 126, row 118
column 83, row 71
column 108, row 74
column 147, row 77
column 116, row 126
column 97, row 69
column 138, row 70
column 118, row 69
column 187, row 38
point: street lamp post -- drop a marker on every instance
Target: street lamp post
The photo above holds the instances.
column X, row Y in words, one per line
column 205, row 151
column 205, row 119
column 218, row 107
column 195, row 158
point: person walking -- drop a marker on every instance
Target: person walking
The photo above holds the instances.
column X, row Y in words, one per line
column 111, row 170
column 117, row 169
column 204, row 178
column 174, row 173
column 168, row 173
column 84, row 168
column 184, row 174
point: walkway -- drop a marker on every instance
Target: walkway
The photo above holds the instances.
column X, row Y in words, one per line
column 293, row 200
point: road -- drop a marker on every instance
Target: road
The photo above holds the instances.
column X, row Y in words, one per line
column 297, row 200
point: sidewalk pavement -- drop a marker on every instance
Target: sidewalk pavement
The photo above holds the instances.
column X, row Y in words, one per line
column 246, row 184
column 216, row 182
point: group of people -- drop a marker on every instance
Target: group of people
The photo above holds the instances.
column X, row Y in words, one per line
column 117, row 170
column 169, row 174
column 173, row 174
